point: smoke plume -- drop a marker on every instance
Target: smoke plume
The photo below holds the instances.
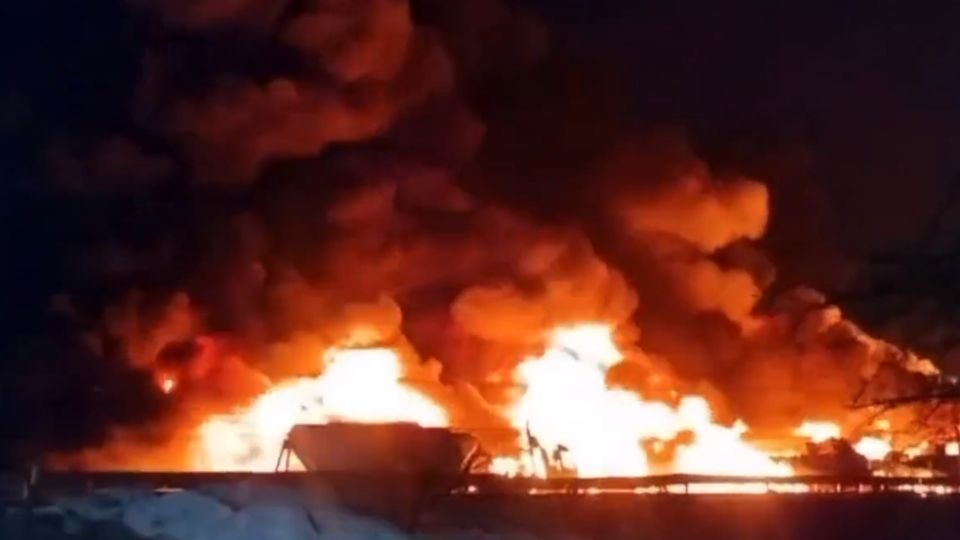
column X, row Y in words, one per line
column 432, row 176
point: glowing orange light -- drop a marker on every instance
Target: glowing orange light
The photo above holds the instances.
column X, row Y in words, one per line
column 872, row 448
column 567, row 404
column 168, row 384
column 818, row 431
column 573, row 422
column 358, row 385
column 917, row 450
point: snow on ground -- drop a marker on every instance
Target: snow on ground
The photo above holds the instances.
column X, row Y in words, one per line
column 239, row 512
column 224, row 512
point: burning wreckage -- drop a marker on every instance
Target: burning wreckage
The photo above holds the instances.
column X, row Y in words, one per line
column 395, row 456
column 345, row 288
column 441, row 452
column 361, row 419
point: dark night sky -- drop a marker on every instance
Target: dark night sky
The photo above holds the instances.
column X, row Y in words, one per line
column 869, row 93
column 859, row 105
column 851, row 113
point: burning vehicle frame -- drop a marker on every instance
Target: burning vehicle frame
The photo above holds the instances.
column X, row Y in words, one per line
column 402, row 471
column 634, row 332
column 440, row 461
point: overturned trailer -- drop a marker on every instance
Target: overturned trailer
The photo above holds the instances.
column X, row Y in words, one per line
column 400, row 448
column 389, row 469
column 403, row 472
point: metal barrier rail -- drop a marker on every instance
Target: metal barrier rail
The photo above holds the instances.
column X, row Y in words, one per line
column 59, row 483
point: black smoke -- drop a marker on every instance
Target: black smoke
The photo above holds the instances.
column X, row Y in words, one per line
column 167, row 166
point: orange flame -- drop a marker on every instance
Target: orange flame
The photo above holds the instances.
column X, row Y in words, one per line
column 167, row 384
column 873, row 448
column 568, row 408
column 818, row 431
column 359, row 385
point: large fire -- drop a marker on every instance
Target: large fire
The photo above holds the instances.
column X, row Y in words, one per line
column 359, row 385
column 389, row 175
column 569, row 419
column 873, row 448
column 568, row 404
column 570, row 411
column 818, row 430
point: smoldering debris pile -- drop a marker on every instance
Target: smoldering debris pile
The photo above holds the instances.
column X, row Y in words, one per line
column 227, row 512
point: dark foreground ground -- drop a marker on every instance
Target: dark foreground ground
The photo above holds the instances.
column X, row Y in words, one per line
column 713, row 517
column 353, row 507
column 653, row 517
